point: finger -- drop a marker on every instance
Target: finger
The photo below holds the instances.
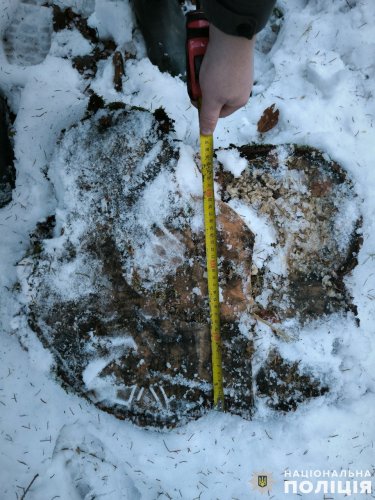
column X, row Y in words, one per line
column 209, row 115
column 228, row 110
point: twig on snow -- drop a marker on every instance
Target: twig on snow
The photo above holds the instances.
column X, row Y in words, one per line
column 27, row 489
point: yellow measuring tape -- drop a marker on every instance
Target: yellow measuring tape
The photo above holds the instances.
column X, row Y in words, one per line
column 207, row 152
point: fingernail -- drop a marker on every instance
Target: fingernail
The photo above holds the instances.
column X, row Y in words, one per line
column 206, row 131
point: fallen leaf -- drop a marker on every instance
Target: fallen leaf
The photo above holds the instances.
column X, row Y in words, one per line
column 268, row 120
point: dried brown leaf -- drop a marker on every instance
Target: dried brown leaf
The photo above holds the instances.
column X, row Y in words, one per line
column 269, row 119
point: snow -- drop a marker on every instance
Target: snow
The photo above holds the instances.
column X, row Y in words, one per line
column 187, row 174
column 69, row 43
column 232, row 161
column 264, row 234
column 32, row 48
column 320, row 74
column 113, row 19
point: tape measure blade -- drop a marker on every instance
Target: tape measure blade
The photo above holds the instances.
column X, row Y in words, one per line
column 206, row 143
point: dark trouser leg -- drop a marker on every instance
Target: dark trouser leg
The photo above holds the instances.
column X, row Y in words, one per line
column 162, row 24
column 7, row 172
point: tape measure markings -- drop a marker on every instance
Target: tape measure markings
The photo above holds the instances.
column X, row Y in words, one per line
column 206, row 143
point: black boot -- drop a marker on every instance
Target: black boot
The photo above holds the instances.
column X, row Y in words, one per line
column 162, row 24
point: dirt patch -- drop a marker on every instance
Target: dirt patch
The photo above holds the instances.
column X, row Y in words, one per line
column 283, row 384
column 67, row 18
column 87, row 64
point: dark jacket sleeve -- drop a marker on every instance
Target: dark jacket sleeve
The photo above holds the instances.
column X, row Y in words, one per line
column 239, row 17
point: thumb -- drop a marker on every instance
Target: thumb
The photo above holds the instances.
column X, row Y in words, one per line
column 208, row 116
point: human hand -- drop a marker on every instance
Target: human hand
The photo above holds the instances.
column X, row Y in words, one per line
column 226, row 77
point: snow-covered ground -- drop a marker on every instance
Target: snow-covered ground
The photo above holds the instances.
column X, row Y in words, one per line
column 320, row 73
